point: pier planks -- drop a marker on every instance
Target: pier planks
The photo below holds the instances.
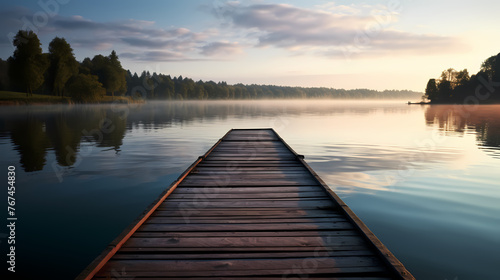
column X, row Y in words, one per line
column 250, row 208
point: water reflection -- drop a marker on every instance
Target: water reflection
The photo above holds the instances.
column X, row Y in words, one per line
column 34, row 131
column 422, row 186
column 31, row 140
column 482, row 120
column 64, row 129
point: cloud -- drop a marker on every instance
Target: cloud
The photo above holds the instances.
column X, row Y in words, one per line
column 134, row 39
column 333, row 31
column 11, row 20
column 143, row 42
column 328, row 30
column 341, row 9
column 221, row 48
column 155, row 55
column 77, row 23
column 131, row 33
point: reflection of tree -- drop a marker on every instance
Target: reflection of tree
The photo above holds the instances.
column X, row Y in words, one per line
column 160, row 114
column 484, row 119
column 65, row 140
column 489, row 134
column 113, row 129
column 62, row 129
column 29, row 137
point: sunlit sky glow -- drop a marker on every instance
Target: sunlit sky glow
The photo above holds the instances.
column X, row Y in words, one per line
column 392, row 44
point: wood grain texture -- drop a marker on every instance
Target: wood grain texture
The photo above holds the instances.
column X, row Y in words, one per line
column 250, row 208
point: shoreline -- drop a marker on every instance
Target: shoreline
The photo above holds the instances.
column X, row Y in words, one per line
column 44, row 103
column 10, row 98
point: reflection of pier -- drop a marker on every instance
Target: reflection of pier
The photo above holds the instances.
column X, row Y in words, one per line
column 249, row 208
column 418, row 103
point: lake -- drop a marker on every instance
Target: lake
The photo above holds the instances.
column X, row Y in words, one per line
column 425, row 179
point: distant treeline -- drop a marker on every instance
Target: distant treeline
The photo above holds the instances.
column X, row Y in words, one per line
column 460, row 88
column 159, row 86
column 59, row 73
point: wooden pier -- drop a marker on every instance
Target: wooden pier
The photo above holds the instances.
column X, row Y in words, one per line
column 250, row 208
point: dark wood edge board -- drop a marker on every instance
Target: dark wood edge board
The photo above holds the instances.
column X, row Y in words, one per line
column 96, row 265
column 392, row 262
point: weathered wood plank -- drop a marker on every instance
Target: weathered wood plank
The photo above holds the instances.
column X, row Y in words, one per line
column 244, row 267
column 300, row 175
column 249, row 212
column 251, row 144
column 267, row 195
column 245, row 189
column 245, row 227
column 164, row 220
column 220, row 182
column 251, row 139
column 280, row 158
column 190, row 217
column 322, row 233
column 246, row 197
column 251, row 151
column 376, row 270
column 232, row 250
column 241, row 242
column 250, row 204
column 245, row 171
column 250, row 208
column 266, row 277
column 251, row 255
column 237, row 165
column 201, row 202
column 255, row 160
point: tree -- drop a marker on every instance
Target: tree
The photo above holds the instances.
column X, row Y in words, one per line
column 431, row 91
column 496, row 69
column 488, row 66
column 111, row 79
column 27, row 65
column 187, row 89
column 200, row 90
column 119, row 84
column 4, row 75
column 63, row 65
column 444, row 91
column 85, row 88
column 86, row 66
column 491, row 67
column 449, row 75
column 169, row 86
column 462, row 77
column 110, row 73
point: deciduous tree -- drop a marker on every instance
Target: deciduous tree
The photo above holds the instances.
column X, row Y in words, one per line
column 431, row 91
column 27, row 65
column 85, row 88
column 63, row 65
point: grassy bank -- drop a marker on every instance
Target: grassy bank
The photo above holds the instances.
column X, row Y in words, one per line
column 20, row 98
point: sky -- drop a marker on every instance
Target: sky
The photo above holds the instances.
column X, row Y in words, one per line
column 390, row 44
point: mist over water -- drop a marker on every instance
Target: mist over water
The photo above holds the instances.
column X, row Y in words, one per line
column 423, row 178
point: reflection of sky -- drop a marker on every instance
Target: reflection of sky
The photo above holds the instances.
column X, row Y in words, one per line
column 419, row 187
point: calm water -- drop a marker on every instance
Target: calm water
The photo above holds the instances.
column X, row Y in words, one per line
column 425, row 179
